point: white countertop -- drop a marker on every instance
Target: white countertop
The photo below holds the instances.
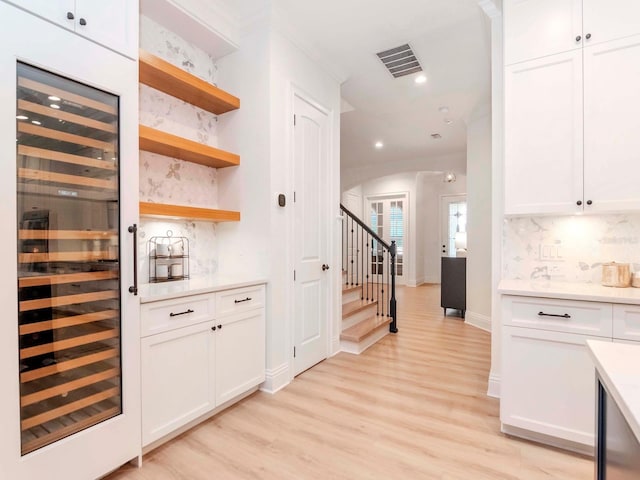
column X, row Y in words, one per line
column 153, row 292
column 571, row 291
column 618, row 365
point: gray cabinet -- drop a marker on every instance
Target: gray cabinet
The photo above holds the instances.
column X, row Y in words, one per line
column 453, row 293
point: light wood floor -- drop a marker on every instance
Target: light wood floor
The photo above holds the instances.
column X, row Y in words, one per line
column 411, row 407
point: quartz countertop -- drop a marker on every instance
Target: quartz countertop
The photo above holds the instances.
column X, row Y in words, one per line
column 153, row 292
column 618, row 365
column 570, row 291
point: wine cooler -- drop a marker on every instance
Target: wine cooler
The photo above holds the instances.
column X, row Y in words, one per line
column 68, row 249
column 70, row 326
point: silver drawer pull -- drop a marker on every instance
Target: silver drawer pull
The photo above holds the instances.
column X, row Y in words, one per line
column 248, row 299
column 180, row 313
column 542, row 314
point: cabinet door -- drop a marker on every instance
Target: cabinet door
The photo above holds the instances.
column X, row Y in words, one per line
column 536, row 28
column 177, row 379
column 548, row 384
column 612, row 142
column 52, row 10
column 240, row 354
column 543, row 135
column 610, row 20
column 112, row 23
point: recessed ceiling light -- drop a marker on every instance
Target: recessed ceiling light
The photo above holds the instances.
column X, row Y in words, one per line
column 22, row 117
column 420, row 79
column 53, row 98
column 55, row 105
column 436, row 136
column 379, row 145
column 448, row 121
column 36, row 122
column 443, row 109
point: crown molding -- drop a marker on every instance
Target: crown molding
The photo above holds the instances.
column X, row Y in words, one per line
column 492, row 8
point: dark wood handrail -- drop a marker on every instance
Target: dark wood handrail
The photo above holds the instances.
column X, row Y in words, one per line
column 365, row 227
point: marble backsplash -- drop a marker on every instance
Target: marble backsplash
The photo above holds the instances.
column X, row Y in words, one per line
column 169, row 180
column 569, row 248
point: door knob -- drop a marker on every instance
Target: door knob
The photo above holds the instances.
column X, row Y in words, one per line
column 325, row 267
column 579, row 202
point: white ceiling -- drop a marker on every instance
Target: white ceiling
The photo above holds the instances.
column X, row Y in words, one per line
column 451, row 40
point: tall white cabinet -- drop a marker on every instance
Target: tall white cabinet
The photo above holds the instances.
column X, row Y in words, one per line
column 570, row 76
column 69, row 339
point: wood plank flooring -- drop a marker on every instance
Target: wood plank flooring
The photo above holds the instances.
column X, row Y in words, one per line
column 414, row 406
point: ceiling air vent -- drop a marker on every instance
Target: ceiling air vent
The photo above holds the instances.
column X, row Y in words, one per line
column 400, row 61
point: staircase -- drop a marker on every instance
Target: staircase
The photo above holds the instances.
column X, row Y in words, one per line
column 368, row 286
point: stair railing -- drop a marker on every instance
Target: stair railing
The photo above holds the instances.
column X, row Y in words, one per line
column 367, row 261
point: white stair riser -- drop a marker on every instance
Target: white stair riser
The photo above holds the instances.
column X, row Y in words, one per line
column 351, row 320
column 359, row 347
column 351, row 296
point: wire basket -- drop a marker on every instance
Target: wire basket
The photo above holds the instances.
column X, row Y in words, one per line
column 168, row 258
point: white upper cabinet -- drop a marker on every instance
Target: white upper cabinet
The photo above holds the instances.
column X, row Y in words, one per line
column 111, row 23
column 543, row 135
column 606, row 20
column 536, row 28
column 611, row 138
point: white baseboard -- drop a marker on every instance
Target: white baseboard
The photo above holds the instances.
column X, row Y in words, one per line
column 276, row 379
column 477, row 320
column 415, row 283
column 493, row 389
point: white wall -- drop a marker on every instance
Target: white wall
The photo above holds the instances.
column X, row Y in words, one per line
column 293, row 71
column 434, row 188
column 479, row 220
column 265, row 72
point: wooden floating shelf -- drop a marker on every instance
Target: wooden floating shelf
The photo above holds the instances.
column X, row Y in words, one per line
column 178, row 211
column 162, row 75
column 156, row 141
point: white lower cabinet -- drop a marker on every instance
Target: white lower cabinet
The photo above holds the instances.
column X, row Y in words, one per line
column 547, row 387
column 200, row 360
column 548, row 384
column 177, row 379
column 240, row 354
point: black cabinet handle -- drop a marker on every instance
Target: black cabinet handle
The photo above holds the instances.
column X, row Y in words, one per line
column 588, row 36
column 248, row 299
column 180, row 313
column 578, row 38
column 213, row 328
column 589, row 202
column 325, row 267
column 83, row 22
column 219, row 327
column 134, row 288
column 579, row 202
column 542, row 314
column 70, row 15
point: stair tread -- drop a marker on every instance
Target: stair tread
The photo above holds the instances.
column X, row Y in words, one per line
column 350, row 288
column 360, row 330
column 356, row 306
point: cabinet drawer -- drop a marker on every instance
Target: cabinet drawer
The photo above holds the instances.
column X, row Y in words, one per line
column 586, row 318
column 626, row 322
column 239, row 300
column 167, row 315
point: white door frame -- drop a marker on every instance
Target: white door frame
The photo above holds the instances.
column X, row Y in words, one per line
column 333, row 332
column 404, row 196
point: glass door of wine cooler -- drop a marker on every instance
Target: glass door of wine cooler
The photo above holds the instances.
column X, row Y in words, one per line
column 69, row 305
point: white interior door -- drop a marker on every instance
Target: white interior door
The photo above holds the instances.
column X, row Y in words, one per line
column 387, row 216
column 453, row 219
column 311, row 230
